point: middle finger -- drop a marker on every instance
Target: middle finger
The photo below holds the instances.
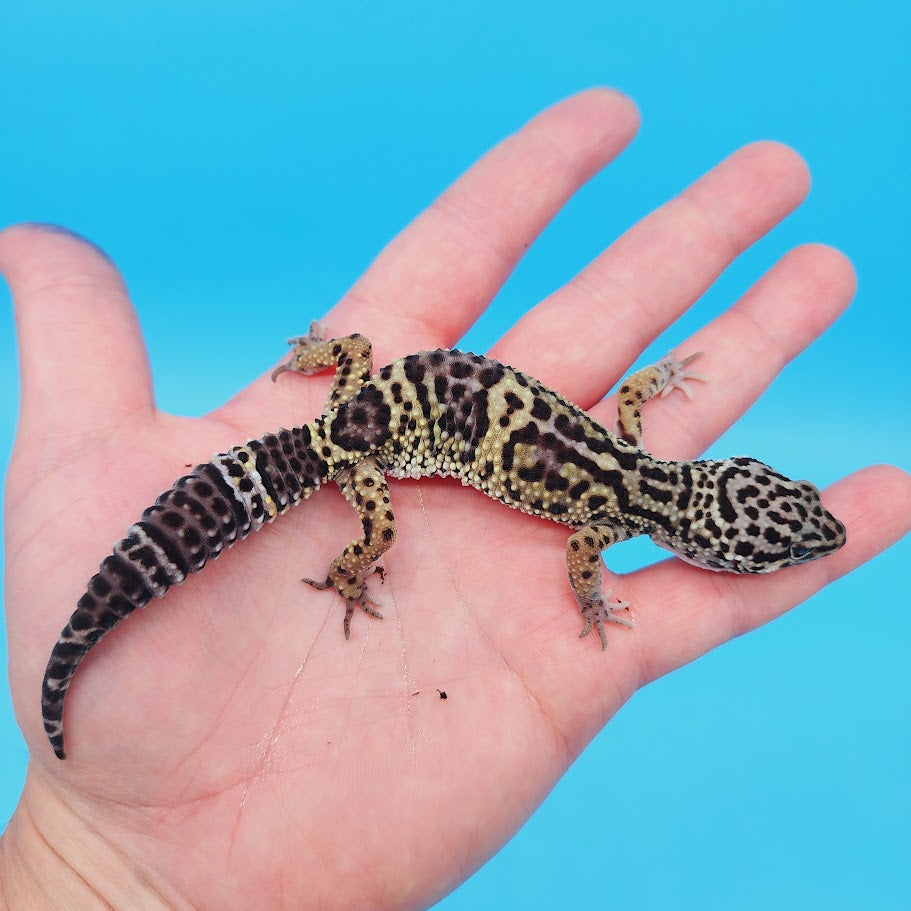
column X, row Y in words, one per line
column 610, row 311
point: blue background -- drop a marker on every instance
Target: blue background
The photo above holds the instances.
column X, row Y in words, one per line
column 236, row 152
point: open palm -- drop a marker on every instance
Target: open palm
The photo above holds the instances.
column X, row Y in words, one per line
column 227, row 747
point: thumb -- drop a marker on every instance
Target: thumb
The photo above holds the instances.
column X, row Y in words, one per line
column 83, row 360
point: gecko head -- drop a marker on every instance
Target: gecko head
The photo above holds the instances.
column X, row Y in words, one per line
column 744, row 517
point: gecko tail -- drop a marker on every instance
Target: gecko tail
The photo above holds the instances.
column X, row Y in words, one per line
column 189, row 524
column 199, row 516
column 111, row 595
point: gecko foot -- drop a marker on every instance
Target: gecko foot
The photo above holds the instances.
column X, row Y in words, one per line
column 367, row 605
column 677, row 374
column 303, row 345
column 596, row 612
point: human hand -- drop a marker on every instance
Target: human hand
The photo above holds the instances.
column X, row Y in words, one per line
column 227, row 747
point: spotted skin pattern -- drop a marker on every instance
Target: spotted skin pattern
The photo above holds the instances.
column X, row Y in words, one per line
column 465, row 416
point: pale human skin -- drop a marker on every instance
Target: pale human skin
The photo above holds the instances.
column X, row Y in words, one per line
column 227, row 748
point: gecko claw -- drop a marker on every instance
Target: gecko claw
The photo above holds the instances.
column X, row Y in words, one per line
column 598, row 611
column 677, row 374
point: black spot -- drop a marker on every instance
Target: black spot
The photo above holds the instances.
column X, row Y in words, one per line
column 362, row 423
column 460, row 370
column 568, row 428
column 118, row 608
column 172, row 519
column 99, row 585
column 414, row 369
column 555, row 481
column 522, row 435
column 491, row 375
column 535, row 473
column 713, row 527
column 658, row 494
column 728, row 512
column 654, row 473
column 577, row 490
column 541, row 410
column 81, row 620
column 54, row 712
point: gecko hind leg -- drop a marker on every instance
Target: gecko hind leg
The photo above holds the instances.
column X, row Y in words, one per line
column 364, row 487
column 661, row 378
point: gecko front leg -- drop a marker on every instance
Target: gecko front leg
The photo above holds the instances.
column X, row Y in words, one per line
column 583, row 563
column 350, row 355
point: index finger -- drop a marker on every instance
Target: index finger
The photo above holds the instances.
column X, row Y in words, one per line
column 432, row 281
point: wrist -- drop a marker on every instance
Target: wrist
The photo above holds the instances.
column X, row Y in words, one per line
column 51, row 857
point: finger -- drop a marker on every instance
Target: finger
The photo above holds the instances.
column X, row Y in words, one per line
column 430, row 284
column 609, row 312
column 684, row 612
column 745, row 348
column 83, row 361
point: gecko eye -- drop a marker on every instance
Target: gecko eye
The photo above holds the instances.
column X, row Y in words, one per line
column 800, row 551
